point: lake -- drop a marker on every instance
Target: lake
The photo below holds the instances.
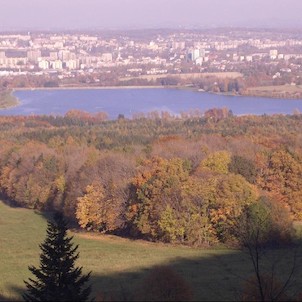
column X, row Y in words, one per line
column 135, row 100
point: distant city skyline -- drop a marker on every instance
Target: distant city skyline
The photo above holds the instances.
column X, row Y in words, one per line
column 133, row 14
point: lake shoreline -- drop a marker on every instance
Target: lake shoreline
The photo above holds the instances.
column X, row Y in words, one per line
column 130, row 100
column 190, row 88
column 251, row 94
column 91, row 88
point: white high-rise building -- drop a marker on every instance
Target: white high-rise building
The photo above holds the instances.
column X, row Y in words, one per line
column 195, row 54
column 73, row 64
column 273, row 53
column 57, row 64
column 43, row 64
column 64, row 55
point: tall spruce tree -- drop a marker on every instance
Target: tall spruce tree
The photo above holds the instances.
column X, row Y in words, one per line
column 57, row 278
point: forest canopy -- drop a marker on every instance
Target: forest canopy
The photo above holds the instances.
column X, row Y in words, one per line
column 173, row 179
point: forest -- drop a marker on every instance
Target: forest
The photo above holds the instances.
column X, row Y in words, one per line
column 188, row 180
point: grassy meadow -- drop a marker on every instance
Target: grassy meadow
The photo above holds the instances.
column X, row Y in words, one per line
column 7, row 100
column 185, row 76
column 118, row 265
column 280, row 91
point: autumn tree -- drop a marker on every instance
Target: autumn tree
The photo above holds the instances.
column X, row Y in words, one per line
column 258, row 235
column 282, row 179
column 98, row 209
column 194, row 216
column 217, row 162
column 226, row 196
column 157, row 194
column 28, row 176
column 167, row 203
column 243, row 166
column 57, row 278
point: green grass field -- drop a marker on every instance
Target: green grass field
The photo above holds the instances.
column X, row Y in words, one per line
column 118, row 265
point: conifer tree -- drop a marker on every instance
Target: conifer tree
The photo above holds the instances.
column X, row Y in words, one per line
column 57, row 278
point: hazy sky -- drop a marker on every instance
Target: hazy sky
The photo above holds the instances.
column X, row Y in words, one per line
column 89, row 14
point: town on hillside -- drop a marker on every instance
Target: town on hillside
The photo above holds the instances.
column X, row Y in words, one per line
column 146, row 57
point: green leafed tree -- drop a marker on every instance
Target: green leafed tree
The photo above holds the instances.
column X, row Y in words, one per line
column 57, row 278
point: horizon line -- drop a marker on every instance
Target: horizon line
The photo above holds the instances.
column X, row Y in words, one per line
column 120, row 29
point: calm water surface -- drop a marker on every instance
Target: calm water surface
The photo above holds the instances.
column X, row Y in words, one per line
column 130, row 101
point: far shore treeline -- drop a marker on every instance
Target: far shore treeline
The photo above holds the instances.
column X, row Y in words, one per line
column 185, row 180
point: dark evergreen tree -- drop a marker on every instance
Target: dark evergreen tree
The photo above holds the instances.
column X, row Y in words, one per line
column 57, row 278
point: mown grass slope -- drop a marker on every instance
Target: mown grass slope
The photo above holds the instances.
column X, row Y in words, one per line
column 119, row 265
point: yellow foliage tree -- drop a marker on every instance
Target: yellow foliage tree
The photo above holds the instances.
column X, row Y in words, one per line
column 99, row 208
column 282, row 178
column 157, row 186
column 89, row 210
column 227, row 195
column 170, row 226
column 217, row 162
column 169, row 204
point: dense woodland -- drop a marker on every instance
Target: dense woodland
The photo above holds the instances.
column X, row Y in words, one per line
column 186, row 180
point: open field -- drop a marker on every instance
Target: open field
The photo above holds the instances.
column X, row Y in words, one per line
column 221, row 75
column 282, row 91
column 7, row 100
column 118, row 265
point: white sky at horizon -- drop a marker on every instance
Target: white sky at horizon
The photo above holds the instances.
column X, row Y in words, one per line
column 118, row 14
